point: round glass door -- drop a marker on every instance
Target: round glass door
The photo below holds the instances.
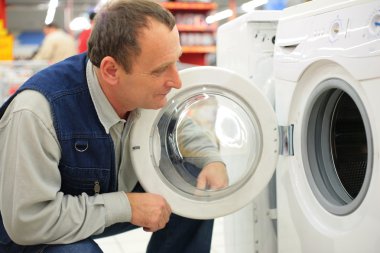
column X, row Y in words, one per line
column 204, row 151
column 208, row 142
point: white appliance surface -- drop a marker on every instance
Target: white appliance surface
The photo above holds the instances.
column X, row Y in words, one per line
column 327, row 84
column 245, row 45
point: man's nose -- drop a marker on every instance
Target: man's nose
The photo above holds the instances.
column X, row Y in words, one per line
column 175, row 80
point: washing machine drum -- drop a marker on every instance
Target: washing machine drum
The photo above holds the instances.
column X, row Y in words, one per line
column 217, row 117
column 338, row 148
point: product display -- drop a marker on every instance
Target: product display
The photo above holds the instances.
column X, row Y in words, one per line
column 15, row 73
column 197, row 37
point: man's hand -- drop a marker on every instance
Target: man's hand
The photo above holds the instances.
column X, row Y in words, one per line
column 213, row 176
column 150, row 211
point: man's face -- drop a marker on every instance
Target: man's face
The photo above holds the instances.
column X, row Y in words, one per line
column 154, row 72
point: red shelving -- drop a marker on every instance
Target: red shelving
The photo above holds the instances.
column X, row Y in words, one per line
column 189, row 6
column 197, row 37
column 198, row 49
column 196, row 28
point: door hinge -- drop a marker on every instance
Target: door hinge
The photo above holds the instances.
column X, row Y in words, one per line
column 286, row 140
column 272, row 214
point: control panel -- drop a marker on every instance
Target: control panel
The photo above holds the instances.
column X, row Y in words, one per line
column 374, row 24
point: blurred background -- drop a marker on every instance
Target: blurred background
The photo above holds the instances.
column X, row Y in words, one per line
column 23, row 20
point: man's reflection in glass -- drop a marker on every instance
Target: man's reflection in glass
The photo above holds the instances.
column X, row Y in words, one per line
column 193, row 147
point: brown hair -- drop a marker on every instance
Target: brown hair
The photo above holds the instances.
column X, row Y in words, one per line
column 117, row 27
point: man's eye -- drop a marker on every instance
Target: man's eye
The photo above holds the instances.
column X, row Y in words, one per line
column 159, row 71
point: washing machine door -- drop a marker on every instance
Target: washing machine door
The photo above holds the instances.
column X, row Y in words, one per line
column 211, row 149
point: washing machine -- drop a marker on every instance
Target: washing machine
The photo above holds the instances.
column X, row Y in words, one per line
column 322, row 139
column 245, row 45
column 327, row 86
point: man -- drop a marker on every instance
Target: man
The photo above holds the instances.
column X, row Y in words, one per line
column 85, row 35
column 56, row 46
column 65, row 172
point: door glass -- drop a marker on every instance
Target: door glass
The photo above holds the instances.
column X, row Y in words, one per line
column 206, row 144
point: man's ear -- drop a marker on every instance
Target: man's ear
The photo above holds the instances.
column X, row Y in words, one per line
column 109, row 70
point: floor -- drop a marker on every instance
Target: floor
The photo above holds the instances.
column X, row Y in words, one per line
column 136, row 240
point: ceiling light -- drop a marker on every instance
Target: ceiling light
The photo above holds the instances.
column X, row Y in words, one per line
column 219, row 16
column 252, row 5
column 53, row 4
column 80, row 23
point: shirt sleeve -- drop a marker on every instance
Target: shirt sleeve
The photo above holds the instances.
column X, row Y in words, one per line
column 196, row 145
column 33, row 209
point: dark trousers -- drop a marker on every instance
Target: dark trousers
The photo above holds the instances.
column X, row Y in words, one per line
column 181, row 235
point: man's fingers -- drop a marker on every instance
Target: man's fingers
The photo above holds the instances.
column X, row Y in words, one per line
column 201, row 182
column 150, row 211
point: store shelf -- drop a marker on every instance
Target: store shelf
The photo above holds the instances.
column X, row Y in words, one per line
column 189, row 6
column 198, row 49
column 15, row 73
column 196, row 28
column 197, row 37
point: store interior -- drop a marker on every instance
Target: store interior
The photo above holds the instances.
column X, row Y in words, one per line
column 22, row 22
column 283, row 94
column 21, row 35
column 197, row 34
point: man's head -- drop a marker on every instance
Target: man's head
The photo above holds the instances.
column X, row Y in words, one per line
column 117, row 29
column 135, row 46
column 91, row 16
column 49, row 28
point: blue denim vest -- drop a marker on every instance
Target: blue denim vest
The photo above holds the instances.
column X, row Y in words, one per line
column 87, row 162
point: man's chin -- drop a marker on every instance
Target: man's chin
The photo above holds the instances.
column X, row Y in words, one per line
column 157, row 106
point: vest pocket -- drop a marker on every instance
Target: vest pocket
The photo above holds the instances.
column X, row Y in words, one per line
column 76, row 181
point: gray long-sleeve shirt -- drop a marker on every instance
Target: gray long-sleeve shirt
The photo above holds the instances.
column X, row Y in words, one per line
column 34, row 210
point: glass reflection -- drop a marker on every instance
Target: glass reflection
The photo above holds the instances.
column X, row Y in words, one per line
column 208, row 144
column 199, row 146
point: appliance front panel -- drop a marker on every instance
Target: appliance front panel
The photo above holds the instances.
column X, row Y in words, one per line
column 329, row 188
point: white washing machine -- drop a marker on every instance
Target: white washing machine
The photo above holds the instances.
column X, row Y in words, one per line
column 219, row 103
column 245, row 45
column 322, row 138
column 327, row 84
